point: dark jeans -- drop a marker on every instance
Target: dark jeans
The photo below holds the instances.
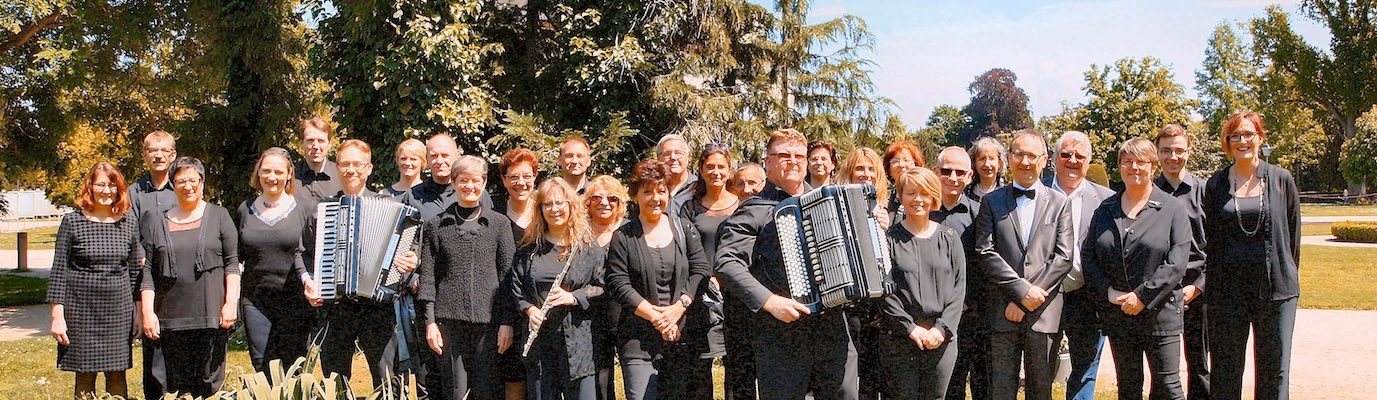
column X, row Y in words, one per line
column 195, row 360
column 1035, row 352
column 972, row 358
column 1197, row 347
column 913, row 373
column 277, row 326
column 371, row 326
column 1163, row 358
column 467, row 368
column 1080, row 324
column 739, row 362
column 1272, row 323
column 813, row 354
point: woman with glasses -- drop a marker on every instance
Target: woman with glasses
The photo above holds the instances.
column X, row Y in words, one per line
column 822, row 160
column 518, row 171
column 190, row 289
column 656, row 266
column 411, row 160
column 1252, row 236
column 1134, row 257
column 711, row 205
column 466, row 253
column 989, row 159
column 560, row 362
column 96, row 264
column 277, row 319
column 606, row 203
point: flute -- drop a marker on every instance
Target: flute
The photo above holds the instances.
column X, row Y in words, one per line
column 545, row 306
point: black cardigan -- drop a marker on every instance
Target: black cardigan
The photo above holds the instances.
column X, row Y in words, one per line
column 1149, row 258
column 575, row 322
column 1283, row 232
column 463, row 264
column 631, row 272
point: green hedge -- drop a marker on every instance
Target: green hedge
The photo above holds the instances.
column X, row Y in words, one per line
column 1365, row 232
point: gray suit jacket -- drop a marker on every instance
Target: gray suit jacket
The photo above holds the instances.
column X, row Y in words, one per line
column 1093, row 194
column 1014, row 267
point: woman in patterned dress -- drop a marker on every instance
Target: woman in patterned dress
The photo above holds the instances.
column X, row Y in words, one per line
column 95, row 266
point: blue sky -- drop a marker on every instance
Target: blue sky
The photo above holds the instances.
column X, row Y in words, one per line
column 928, row 51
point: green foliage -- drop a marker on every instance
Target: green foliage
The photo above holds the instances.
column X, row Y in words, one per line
column 1227, row 79
column 1097, row 173
column 1359, row 160
column 947, row 122
column 1350, row 231
column 525, row 130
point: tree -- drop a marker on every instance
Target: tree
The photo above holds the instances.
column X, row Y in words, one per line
column 947, row 123
column 997, row 106
column 1227, row 79
column 1359, row 162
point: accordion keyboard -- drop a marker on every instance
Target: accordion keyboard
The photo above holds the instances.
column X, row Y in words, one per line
column 834, row 252
column 327, row 240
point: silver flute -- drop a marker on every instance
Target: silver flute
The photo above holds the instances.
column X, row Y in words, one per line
column 545, row 306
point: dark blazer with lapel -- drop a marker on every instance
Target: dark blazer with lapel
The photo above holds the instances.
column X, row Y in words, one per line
column 1092, row 195
column 631, row 278
column 1014, row 267
column 1149, row 259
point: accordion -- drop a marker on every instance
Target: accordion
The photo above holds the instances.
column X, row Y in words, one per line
column 356, row 240
column 834, row 251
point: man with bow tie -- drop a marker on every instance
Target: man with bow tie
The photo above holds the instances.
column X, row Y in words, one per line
column 1024, row 237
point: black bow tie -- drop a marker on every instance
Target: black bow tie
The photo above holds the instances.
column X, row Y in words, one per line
column 1029, row 193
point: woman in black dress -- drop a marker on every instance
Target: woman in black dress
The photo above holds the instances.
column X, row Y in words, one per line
column 1135, row 255
column 559, row 364
column 518, row 169
column 277, row 318
column 1252, row 239
column 190, row 289
column 918, row 349
column 95, row 266
column 467, row 252
column 606, row 203
column 655, row 265
column 711, row 205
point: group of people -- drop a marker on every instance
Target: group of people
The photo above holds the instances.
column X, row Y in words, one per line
column 541, row 286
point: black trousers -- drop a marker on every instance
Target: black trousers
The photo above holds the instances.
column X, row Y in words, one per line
column 195, row 360
column 972, row 358
column 913, row 373
column 467, row 368
column 277, row 326
column 866, row 338
column 1272, row 323
column 1035, row 352
column 813, row 354
column 677, row 374
column 547, row 372
column 1197, row 346
column 1164, row 360
column 154, row 370
column 351, row 326
column 739, row 362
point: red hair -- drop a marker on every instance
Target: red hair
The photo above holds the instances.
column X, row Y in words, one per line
column 1231, row 125
column 87, row 197
column 901, row 146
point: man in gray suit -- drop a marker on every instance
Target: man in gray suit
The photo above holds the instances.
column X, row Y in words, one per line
column 1023, row 239
column 1079, row 321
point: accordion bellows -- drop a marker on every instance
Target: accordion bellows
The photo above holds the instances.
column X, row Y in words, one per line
column 356, row 240
column 834, row 251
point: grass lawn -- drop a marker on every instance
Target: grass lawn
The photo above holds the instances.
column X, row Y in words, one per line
column 22, row 290
column 39, row 239
column 1332, row 277
column 1333, row 210
column 1316, row 229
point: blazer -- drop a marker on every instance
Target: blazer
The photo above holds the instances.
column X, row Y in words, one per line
column 1092, row 194
column 631, row 278
column 1014, row 267
column 1283, row 231
column 573, row 322
column 1148, row 258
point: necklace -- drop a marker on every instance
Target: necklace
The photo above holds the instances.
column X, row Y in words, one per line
column 476, row 214
column 1262, row 204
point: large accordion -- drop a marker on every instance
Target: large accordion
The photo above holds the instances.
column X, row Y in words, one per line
column 834, row 251
column 356, row 240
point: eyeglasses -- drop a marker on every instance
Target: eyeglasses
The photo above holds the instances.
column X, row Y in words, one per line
column 520, row 177
column 1246, row 136
column 555, row 204
column 1126, row 163
column 352, row 165
column 1020, row 155
column 187, row 181
column 469, row 181
column 787, row 156
column 609, row 199
column 953, row 171
column 1071, row 155
column 104, row 185
column 1173, row 152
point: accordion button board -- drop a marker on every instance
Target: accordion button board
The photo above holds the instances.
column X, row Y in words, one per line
column 834, row 251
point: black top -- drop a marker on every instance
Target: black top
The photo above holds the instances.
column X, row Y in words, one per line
column 315, row 186
column 961, row 219
column 394, row 193
column 1279, row 279
column 271, row 250
column 533, row 272
column 929, row 281
column 144, row 196
column 707, row 222
column 1191, row 193
column 465, row 255
column 1240, row 246
column 187, row 269
column 1146, row 255
column 430, row 198
column 637, row 272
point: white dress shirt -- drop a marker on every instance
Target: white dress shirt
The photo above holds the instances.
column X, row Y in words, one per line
column 1024, row 208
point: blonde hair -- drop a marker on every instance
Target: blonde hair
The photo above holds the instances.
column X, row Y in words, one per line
column 579, row 234
column 412, row 147
column 786, row 136
column 611, row 185
column 866, row 154
column 925, row 181
column 1139, row 148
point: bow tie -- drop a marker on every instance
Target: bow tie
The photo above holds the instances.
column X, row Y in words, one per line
column 1029, row 193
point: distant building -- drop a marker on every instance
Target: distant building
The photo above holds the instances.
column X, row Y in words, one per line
column 25, row 204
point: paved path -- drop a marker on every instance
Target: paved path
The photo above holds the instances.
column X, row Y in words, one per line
column 1329, row 240
column 1330, row 220
column 40, row 262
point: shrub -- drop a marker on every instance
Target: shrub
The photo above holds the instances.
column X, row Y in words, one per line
column 1096, row 173
column 1365, row 232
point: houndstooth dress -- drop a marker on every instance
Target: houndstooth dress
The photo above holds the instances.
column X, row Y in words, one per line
column 95, row 268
